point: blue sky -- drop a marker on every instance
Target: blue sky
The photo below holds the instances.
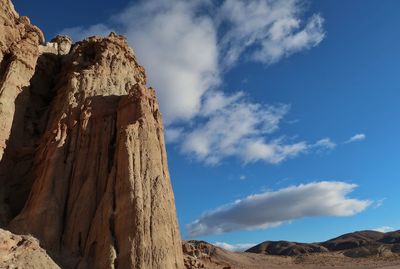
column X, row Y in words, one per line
column 305, row 95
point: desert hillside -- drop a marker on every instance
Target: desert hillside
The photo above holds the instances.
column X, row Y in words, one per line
column 364, row 249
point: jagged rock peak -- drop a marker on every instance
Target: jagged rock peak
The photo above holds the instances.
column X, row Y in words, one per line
column 60, row 45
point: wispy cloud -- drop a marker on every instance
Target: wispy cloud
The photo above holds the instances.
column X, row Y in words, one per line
column 234, row 247
column 236, row 127
column 379, row 203
column 188, row 46
column 274, row 27
column 80, row 33
column 384, row 229
column 325, row 143
column 271, row 209
column 356, row 137
column 233, row 129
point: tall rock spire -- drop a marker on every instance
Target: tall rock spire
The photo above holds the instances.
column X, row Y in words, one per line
column 84, row 163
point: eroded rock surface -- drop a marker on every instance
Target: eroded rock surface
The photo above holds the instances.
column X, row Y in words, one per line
column 83, row 165
column 23, row 252
column 19, row 51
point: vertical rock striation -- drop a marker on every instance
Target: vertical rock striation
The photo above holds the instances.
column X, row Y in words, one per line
column 19, row 51
column 83, row 160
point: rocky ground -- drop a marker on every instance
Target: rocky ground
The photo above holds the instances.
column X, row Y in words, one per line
column 22, row 252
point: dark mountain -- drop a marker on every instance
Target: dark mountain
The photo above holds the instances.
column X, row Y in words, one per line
column 357, row 244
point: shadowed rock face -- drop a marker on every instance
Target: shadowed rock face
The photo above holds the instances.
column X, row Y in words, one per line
column 19, row 51
column 82, row 153
column 285, row 248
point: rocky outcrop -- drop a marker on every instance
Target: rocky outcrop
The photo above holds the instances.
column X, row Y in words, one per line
column 200, row 254
column 83, row 160
column 23, row 252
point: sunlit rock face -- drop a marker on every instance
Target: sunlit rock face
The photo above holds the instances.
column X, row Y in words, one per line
column 83, row 163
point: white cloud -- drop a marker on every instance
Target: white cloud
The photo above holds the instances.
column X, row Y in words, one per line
column 379, row 203
column 285, row 41
column 273, row 27
column 384, row 229
column 178, row 47
column 232, row 129
column 234, row 247
column 173, row 135
column 236, row 127
column 185, row 50
column 271, row 209
column 79, row 33
column 325, row 143
column 274, row 152
column 356, row 137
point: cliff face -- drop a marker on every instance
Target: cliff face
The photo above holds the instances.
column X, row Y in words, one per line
column 83, row 160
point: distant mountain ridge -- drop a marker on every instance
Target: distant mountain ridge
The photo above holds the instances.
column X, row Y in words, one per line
column 357, row 244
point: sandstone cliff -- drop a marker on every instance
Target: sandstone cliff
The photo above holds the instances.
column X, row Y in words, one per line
column 83, row 163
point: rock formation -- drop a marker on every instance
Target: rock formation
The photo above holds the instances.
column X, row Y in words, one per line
column 83, row 165
column 23, row 252
column 200, row 254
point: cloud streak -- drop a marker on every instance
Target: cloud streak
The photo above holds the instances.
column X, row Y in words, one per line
column 234, row 247
column 271, row 209
column 356, row 138
column 384, row 229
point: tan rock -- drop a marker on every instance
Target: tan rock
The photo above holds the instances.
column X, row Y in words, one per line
column 23, row 252
column 19, row 42
column 19, row 52
column 102, row 192
column 84, row 167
